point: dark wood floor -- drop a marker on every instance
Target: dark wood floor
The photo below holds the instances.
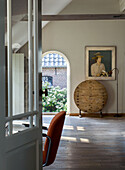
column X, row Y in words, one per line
column 90, row 144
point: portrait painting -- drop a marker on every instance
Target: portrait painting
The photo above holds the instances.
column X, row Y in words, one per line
column 100, row 62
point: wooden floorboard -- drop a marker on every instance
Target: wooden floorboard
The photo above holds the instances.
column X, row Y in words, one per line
column 90, row 144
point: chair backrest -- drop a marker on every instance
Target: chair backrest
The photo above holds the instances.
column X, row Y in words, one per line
column 54, row 132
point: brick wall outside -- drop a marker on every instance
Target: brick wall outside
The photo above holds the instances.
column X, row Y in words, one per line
column 59, row 76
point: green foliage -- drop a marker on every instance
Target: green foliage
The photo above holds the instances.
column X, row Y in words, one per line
column 56, row 100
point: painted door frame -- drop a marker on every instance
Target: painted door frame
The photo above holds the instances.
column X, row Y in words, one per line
column 2, row 86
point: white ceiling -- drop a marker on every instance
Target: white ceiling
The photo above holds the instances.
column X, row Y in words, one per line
column 122, row 5
column 19, row 29
column 53, row 7
column 50, row 7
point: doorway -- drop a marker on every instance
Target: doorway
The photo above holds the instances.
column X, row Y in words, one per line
column 56, row 78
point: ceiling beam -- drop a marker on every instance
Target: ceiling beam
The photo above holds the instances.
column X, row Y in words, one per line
column 83, row 17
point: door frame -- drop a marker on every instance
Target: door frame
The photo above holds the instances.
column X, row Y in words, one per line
column 2, row 87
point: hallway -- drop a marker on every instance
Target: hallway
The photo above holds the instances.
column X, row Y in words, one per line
column 90, row 144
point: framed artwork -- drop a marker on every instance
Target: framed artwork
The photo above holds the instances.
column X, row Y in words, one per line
column 100, row 61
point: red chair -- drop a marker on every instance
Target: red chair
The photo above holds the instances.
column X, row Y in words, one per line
column 53, row 138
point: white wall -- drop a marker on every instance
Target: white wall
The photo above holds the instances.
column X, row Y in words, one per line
column 92, row 7
column 18, row 83
column 71, row 37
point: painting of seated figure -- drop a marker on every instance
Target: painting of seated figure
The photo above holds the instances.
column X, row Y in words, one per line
column 100, row 61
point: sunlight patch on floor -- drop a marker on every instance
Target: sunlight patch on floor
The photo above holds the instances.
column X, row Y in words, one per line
column 80, row 128
column 84, row 140
column 68, row 127
column 67, row 138
column 72, row 139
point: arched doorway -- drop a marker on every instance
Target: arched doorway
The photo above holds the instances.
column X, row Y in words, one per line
column 56, row 71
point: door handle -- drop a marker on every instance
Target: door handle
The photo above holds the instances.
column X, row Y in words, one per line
column 41, row 92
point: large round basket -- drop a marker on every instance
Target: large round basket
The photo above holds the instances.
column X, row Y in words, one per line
column 90, row 96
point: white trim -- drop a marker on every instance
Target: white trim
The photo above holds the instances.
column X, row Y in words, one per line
column 36, row 106
column 37, row 155
column 35, row 25
column 68, row 75
column 2, row 87
column 30, row 53
column 9, row 59
column 20, row 116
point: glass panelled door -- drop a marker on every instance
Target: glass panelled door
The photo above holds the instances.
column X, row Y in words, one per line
column 19, row 98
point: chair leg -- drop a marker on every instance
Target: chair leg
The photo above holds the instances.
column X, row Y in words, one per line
column 49, row 145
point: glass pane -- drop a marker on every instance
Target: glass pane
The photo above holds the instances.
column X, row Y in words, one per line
column 19, row 56
column 20, row 125
column 7, row 129
column 22, row 60
column 20, row 75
